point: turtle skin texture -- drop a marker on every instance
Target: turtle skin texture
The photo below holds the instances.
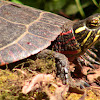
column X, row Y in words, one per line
column 25, row 31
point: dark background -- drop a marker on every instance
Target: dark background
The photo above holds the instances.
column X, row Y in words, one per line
column 72, row 9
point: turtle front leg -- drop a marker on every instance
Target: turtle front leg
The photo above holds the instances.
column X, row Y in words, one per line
column 62, row 63
column 88, row 59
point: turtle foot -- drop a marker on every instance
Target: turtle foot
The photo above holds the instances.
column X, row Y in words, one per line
column 62, row 68
column 62, row 64
column 88, row 59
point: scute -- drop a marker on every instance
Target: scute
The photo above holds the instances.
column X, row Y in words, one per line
column 33, row 44
column 9, row 32
column 19, row 14
column 53, row 19
column 45, row 30
column 25, row 31
column 12, row 53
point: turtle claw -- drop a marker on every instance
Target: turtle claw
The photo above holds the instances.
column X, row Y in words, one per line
column 79, row 83
column 81, row 86
column 91, row 66
column 86, row 84
column 96, row 62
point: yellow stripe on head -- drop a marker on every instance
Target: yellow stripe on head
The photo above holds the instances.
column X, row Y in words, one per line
column 80, row 29
column 86, row 38
column 98, row 32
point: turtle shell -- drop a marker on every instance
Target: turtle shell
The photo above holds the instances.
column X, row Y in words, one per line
column 25, row 31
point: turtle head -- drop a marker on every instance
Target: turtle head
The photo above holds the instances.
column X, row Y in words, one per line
column 87, row 31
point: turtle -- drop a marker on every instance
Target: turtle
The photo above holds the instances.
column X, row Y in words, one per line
column 26, row 31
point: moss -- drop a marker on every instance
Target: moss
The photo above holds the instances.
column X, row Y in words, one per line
column 89, row 96
column 11, row 81
column 9, row 85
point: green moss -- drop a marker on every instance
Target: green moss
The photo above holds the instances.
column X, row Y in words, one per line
column 11, row 82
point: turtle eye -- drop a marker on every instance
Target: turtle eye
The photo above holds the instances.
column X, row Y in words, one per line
column 93, row 22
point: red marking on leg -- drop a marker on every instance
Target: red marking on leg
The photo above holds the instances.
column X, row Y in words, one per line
column 70, row 31
column 73, row 38
column 73, row 44
column 90, row 52
column 71, row 52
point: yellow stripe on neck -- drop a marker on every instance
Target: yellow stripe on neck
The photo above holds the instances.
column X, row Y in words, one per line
column 86, row 38
column 96, row 37
column 80, row 29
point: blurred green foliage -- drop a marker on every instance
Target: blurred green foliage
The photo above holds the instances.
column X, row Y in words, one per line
column 80, row 8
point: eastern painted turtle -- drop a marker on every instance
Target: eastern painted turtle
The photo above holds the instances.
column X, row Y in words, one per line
column 25, row 31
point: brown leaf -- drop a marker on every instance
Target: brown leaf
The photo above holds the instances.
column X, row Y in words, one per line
column 94, row 75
